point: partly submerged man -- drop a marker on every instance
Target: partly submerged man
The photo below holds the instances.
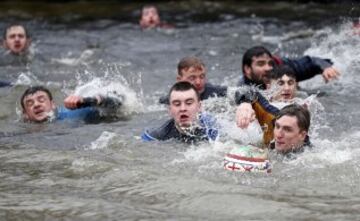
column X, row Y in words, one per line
column 193, row 70
column 150, row 18
column 16, row 39
column 283, row 78
column 291, row 129
column 38, row 106
column 187, row 123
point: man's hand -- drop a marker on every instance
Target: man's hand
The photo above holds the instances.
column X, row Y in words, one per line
column 73, row 101
column 330, row 73
column 245, row 114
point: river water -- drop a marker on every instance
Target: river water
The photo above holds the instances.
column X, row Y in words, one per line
column 75, row 171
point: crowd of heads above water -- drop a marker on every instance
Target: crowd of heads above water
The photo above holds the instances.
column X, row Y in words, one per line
column 287, row 128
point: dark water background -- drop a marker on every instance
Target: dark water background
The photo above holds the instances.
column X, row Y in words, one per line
column 72, row 171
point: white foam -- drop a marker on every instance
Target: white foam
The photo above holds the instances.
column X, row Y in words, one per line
column 82, row 59
column 112, row 88
column 103, row 141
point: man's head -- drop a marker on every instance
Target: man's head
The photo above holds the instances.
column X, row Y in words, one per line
column 284, row 77
column 16, row 39
column 257, row 63
column 291, row 128
column 184, row 103
column 192, row 69
column 37, row 104
column 149, row 17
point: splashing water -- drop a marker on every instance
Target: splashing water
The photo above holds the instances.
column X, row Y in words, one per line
column 103, row 141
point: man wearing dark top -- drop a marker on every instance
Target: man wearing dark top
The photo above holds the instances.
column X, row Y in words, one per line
column 187, row 123
column 257, row 62
column 38, row 106
column 192, row 70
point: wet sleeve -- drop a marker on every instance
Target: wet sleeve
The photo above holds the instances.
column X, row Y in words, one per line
column 307, row 67
column 164, row 99
column 5, row 84
column 111, row 102
column 88, row 114
column 248, row 96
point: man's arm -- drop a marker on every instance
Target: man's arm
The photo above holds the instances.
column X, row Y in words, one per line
column 252, row 105
column 75, row 102
column 5, row 84
column 307, row 67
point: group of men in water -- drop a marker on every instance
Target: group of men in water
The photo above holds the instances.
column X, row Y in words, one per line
column 285, row 129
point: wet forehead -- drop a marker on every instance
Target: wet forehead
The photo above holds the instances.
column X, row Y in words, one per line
column 287, row 121
column 286, row 78
column 182, row 95
column 35, row 96
column 15, row 30
column 150, row 10
column 263, row 57
column 193, row 70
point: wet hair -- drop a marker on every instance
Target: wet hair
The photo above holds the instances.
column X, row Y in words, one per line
column 27, row 34
column 301, row 113
column 255, row 51
column 183, row 86
column 149, row 6
column 33, row 90
column 188, row 62
column 281, row 70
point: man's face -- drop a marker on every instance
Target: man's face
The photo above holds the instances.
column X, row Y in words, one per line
column 38, row 106
column 149, row 18
column 259, row 69
column 16, row 40
column 286, row 88
column 184, row 107
column 194, row 75
column 287, row 134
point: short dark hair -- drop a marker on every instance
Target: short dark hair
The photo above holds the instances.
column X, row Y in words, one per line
column 183, row 86
column 188, row 62
column 33, row 90
column 27, row 34
column 301, row 113
column 281, row 70
column 255, row 51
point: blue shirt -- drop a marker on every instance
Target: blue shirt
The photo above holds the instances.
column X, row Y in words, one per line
column 87, row 114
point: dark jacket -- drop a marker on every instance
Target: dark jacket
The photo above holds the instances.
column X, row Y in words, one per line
column 305, row 68
column 207, row 131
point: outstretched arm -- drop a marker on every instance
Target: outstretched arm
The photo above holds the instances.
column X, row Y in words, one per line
column 5, row 84
column 307, row 67
column 330, row 73
column 74, row 102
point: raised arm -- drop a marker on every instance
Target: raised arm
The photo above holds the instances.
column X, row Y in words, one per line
column 307, row 67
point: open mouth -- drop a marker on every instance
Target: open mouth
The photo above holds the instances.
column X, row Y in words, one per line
column 286, row 95
column 279, row 143
column 38, row 112
column 184, row 118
